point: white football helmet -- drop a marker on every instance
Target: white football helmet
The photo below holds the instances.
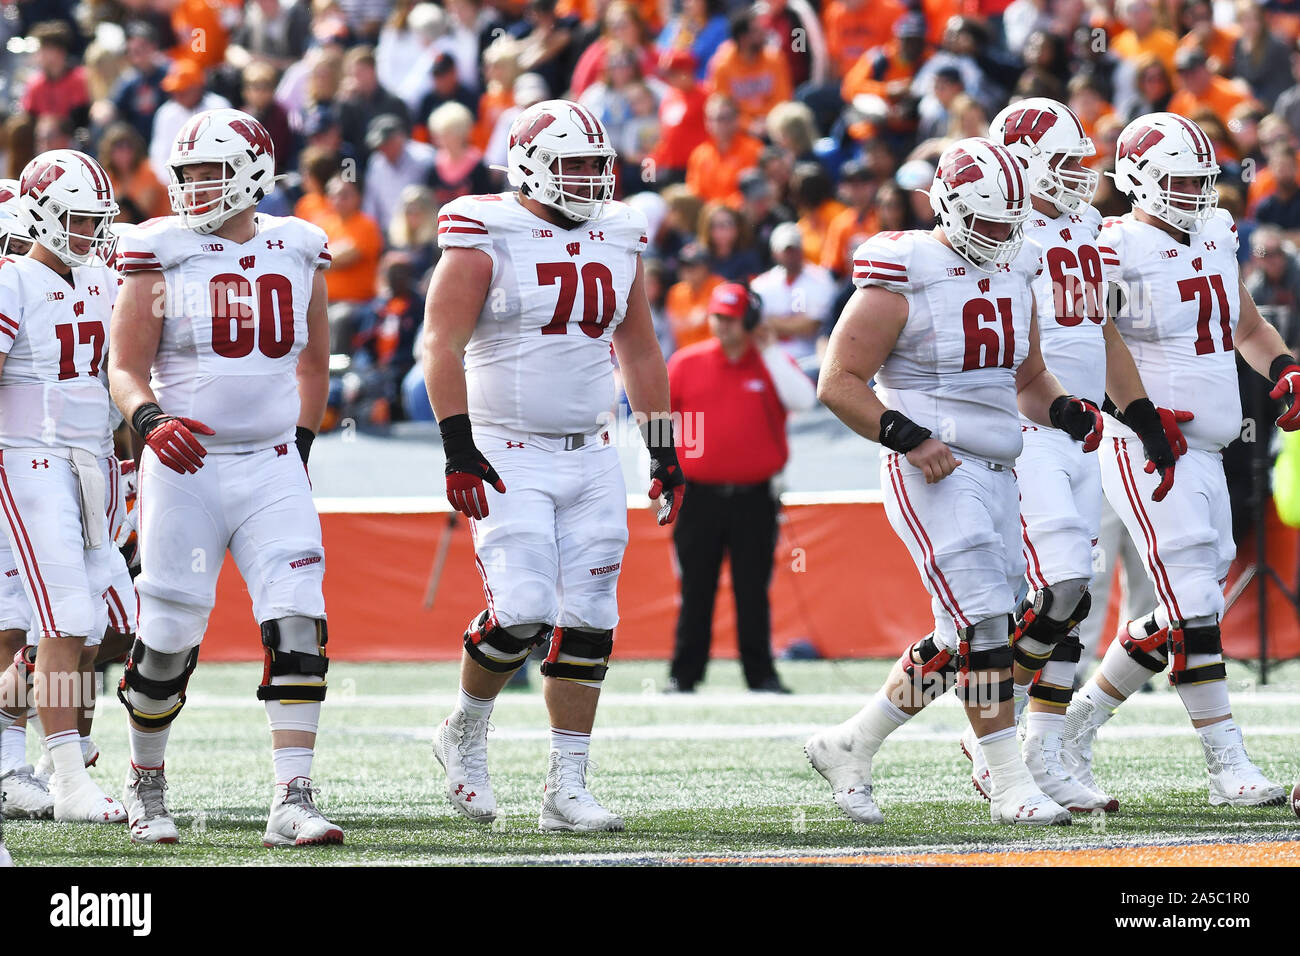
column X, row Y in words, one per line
column 9, row 226
column 1043, row 134
column 542, row 138
column 244, row 149
column 1154, row 148
column 59, row 184
column 978, row 179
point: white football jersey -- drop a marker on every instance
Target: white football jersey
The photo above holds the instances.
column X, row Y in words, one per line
column 235, row 322
column 1071, row 296
column 55, row 332
column 953, row 369
column 1180, row 311
column 540, row 358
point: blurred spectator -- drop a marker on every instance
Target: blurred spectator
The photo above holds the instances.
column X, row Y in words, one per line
column 20, row 138
column 1091, row 55
column 363, row 98
column 458, row 168
column 123, row 156
column 750, row 72
column 893, row 211
column 681, row 116
column 681, row 218
column 610, row 99
column 1273, row 134
column 777, row 167
column 887, row 71
column 791, row 127
column 259, row 102
column 857, row 223
column 914, row 178
column 1023, row 17
column 106, row 65
column 1090, row 105
column 1287, row 105
column 313, row 81
column 730, row 245
column 321, row 129
column 186, row 97
column 1142, row 34
column 274, row 31
column 1262, row 60
column 395, row 162
column 1233, row 201
column 411, row 77
column 139, row 93
column 1201, row 33
column 782, row 20
column 365, row 18
column 383, row 347
column 816, row 206
column 356, row 243
column 1201, row 88
column 656, row 290
column 447, row 88
column 501, row 69
column 638, row 137
column 1282, row 208
column 546, row 43
column 967, row 117
column 796, row 294
column 621, row 26
column 934, row 105
column 1274, row 278
column 700, row 28
column 53, row 132
column 655, row 209
column 1225, row 146
column 714, row 168
column 58, row 87
column 853, row 27
column 1154, row 87
column 761, row 211
column 317, row 166
column 466, row 30
column 414, row 230
column 965, row 49
column 687, row 304
column 202, row 30
column 529, row 88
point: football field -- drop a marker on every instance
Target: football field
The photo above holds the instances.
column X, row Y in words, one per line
column 718, row 776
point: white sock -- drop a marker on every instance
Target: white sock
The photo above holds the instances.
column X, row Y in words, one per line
column 148, row 749
column 869, row 727
column 13, row 748
column 87, row 747
column 1044, row 722
column 1207, row 700
column 1103, row 700
column 1122, row 672
column 65, row 751
column 475, row 706
column 1007, row 769
column 570, row 743
column 1210, row 730
column 291, row 762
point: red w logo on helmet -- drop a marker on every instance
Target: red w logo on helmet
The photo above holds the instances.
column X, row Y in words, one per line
column 1027, row 126
column 256, row 134
column 37, row 178
column 528, row 133
column 959, row 168
column 5, row 195
column 1139, row 142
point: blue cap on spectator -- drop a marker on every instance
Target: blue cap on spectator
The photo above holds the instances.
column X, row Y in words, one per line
column 909, row 25
column 319, row 119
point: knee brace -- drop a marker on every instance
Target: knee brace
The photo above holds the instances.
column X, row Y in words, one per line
column 579, row 654
column 502, row 650
column 1195, row 639
column 1149, row 651
column 1037, row 633
column 931, row 669
column 295, row 660
column 983, row 647
column 152, row 688
column 1068, row 651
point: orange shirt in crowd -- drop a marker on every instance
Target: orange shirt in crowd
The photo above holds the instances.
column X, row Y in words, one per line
column 687, row 311
column 589, row 11
column 846, row 232
column 201, row 35
column 1090, row 130
column 1221, row 46
column 715, row 176
column 815, row 226
column 1220, row 97
column 143, row 188
column 875, row 70
column 1162, row 43
column 490, row 107
column 756, row 87
column 313, row 207
column 1261, row 187
column 358, row 282
column 851, row 32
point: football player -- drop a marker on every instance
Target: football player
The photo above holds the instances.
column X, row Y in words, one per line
column 946, row 414
column 1060, row 484
column 13, row 241
column 55, row 304
column 1186, row 315
column 221, row 367
column 535, row 290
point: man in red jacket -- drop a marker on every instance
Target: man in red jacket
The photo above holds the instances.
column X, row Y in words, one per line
column 736, row 388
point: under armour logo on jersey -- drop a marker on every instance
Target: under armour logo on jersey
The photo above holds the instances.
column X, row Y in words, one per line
column 1065, row 234
column 1210, row 244
column 93, row 290
column 984, row 285
column 41, row 463
column 1002, row 266
column 1196, row 263
column 281, row 450
column 246, row 262
column 78, row 308
column 1074, row 218
column 571, row 248
column 514, row 444
column 596, row 235
column 275, row 243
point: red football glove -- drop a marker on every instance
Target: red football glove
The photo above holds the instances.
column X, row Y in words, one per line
column 466, row 469
column 1288, row 389
column 172, row 440
column 1079, row 418
column 1171, row 418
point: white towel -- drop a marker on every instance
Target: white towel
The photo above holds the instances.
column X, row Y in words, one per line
column 90, row 482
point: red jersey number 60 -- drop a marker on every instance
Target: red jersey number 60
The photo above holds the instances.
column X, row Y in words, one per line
column 235, row 331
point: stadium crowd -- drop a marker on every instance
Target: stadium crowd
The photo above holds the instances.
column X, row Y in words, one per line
column 732, row 121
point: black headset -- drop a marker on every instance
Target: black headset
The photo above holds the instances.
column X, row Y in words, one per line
column 753, row 311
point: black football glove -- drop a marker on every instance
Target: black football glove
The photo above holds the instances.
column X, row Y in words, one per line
column 666, row 478
column 1162, row 439
column 1079, row 418
column 466, row 469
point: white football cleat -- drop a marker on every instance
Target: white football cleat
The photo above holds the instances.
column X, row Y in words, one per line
column 82, row 801
column 294, row 819
column 5, row 858
column 1043, row 758
column 25, row 797
column 979, row 776
column 1027, row 806
column 460, row 745
column 146, row 808
column 849, row 775
column 1234, row 780
column 567, row 804
column 1082, row 719
column 45, row 764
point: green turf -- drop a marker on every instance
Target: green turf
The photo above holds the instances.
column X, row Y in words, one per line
column 717, row 772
